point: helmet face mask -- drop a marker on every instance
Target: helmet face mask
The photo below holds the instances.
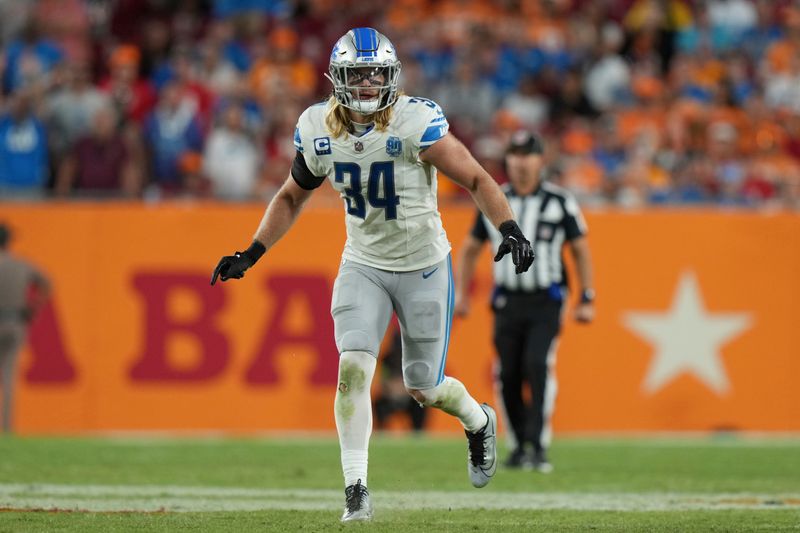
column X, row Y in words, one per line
column 364, row 54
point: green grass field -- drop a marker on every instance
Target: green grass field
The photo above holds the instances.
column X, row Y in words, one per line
column 417, row 484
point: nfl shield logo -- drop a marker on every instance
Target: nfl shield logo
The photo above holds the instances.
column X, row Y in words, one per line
column 394, row 146
column 359, row 147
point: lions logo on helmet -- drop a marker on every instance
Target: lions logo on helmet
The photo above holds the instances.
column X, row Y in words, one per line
column 364, row 53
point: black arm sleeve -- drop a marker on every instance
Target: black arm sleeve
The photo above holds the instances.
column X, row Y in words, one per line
column 479, row 230
column 302, row 175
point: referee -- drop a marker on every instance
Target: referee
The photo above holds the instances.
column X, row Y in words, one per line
column 528, row 306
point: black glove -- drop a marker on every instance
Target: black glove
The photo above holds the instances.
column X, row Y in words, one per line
column 515, row 243
column 233, row 266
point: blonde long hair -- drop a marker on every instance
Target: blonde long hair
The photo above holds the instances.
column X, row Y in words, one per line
column 338, row 119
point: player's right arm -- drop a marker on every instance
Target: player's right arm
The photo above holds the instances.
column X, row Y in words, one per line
column 281, row 212
column 279, row 216
column 307, row 174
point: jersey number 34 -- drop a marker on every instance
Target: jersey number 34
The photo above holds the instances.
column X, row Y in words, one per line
column 380, row 172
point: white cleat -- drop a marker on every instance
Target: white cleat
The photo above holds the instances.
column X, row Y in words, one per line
column 357, row 506
column 482, row 459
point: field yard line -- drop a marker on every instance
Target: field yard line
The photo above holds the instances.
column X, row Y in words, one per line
column 188, row 499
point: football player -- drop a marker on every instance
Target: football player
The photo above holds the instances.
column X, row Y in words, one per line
column 381, row 150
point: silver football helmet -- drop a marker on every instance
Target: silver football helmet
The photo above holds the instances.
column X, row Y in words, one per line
column 364, row 53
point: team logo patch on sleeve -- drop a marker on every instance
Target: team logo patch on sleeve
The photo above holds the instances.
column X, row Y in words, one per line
column 394, row 146
column 322, row 146
column 298, row 141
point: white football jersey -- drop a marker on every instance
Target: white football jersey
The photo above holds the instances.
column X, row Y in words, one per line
column 392, row 215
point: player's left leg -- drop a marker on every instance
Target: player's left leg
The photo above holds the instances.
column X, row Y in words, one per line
column 424, row 303
column 361, row 309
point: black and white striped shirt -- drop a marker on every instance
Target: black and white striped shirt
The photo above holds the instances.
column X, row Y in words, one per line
column 548, row 217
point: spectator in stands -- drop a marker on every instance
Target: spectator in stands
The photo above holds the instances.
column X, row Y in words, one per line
column 607, row 82
column 730, row 20
column 279, row 149
column 99, row 164
column 729, row 169
column 528, row 104
column 433, row 54
column 195, row 184
column 651, row 26
column 215, row 71
column 232, row 160
column 674, row 65
column 570, row 100
column 281, row 74
column 134, row 98
column 15, row 14
column 608, row 150
column 768, row 29
column 67, row 23
column 182, row 70
column 23, row 150
column 169, row 131
column 30, row 60
column 468, row 98
column 69, row 111
column 155, row 44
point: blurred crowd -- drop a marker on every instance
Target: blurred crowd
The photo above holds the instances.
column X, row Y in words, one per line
column 641, row 101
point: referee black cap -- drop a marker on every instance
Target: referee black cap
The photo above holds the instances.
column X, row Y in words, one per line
column 524, row 142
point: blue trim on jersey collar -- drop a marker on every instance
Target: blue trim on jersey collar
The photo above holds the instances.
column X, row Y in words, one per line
column 367, row 130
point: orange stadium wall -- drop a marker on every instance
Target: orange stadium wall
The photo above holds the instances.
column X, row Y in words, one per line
column 697, row 323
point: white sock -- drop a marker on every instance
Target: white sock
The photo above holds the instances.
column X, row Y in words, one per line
column 452, row 397
column 353, row 412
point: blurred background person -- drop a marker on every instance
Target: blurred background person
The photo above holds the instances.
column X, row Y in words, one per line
column 673, row 67
column 23, row 291
column 133, row 96
column 232, row 159
column 528, row 306
column 68, row 111
column 24, row 160
column 30, row 60
column 194, row 182
column 171, row 130
column 100, row 163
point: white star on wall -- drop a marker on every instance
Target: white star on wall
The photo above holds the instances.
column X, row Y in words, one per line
column 687, row 338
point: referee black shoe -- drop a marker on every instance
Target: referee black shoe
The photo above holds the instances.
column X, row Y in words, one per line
column 541, row 463
column 518, row 459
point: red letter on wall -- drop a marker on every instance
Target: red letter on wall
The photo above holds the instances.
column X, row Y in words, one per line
column 316, row 291
column 51, row 363
column 153, row 364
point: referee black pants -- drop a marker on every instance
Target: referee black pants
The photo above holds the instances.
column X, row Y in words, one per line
column 525, row 330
